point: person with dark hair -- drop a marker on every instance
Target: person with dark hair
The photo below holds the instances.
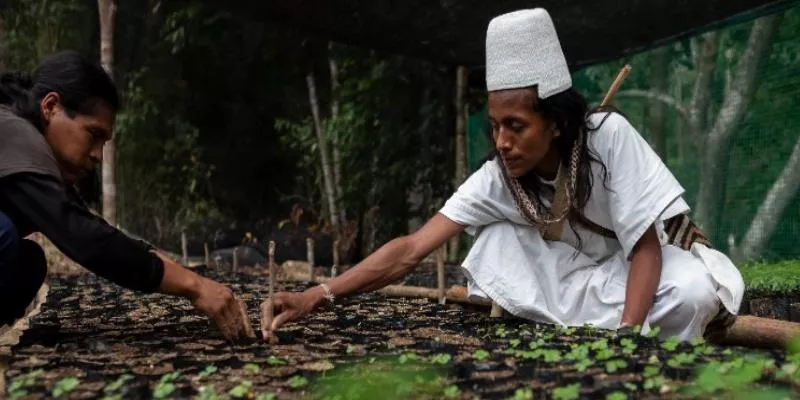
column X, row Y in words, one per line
column 53, row 126
column 576, row 219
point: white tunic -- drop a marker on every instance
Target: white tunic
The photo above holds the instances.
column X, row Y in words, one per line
column 551, row 281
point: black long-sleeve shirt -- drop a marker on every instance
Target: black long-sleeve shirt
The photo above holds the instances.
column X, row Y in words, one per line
column 34, row 197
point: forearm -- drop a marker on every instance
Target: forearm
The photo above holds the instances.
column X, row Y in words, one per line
column 177, row 280
column 388, row 264
column 643, row 279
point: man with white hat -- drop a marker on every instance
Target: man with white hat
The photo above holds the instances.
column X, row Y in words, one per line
column 576, row 219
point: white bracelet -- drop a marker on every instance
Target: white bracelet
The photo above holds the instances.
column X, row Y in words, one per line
column 328, row 294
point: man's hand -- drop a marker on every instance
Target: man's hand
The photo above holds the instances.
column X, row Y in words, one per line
column 213, row 299
column 228, row 313
column 287, row 307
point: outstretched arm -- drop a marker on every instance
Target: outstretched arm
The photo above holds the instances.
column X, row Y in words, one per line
column 389, row 263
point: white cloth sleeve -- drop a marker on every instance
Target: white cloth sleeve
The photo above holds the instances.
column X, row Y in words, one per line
column 642, row 189
column 481, row 200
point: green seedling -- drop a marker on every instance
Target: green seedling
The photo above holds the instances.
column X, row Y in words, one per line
column 272, row 360
column 452, row 392
column 208, row 393
column 208, row 371
column 20, row 385
column 404, row 358
column 514, row 343
column 681, row 359
column 165, row 387
column 569, row 392
column 536, row 344
column 604, row 354
column 298, row 381
column 252, row 368
column 671, row 343
column 523, row 394
column 442, row 358
column 584, row 364
column 116, row 385
column 601, row 344
column 613, row 366
column 617, row 396
column 480, row 355
column 242, row 389
column 65, row 385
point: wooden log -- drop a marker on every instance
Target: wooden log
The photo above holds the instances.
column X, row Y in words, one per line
column 757, row 332
column 440, row 274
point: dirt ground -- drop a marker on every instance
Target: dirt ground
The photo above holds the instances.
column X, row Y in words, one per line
column 95, row 340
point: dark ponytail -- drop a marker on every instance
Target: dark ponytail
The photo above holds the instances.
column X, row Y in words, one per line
column 80, row 82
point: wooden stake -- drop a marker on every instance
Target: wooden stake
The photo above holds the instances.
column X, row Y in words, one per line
column 235, row 258
column 496, row 311
column 184, row 248
column 310, row 255
column 623, row 73
column 266, row 317
column 207, row 253
column 440, row 274
column 335, row 267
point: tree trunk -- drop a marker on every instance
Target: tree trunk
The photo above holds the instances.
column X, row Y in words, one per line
column 778, row 198
column 734, row 108
column 461, row 146
column 2, row 45
column 655, row 113
column 705, row 61
column 327, row 173
column 107, row 10
column 337, row 156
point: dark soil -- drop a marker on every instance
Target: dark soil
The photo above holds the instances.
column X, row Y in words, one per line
column 96, row 332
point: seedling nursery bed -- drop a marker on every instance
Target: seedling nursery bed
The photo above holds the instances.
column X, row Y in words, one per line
column 95, row 340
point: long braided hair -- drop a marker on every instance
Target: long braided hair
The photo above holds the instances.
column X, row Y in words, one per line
column 569, row 110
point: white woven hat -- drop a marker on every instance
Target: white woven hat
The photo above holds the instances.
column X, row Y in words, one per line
column 522, row 50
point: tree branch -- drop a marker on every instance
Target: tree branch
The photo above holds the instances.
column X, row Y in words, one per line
column 660, row 97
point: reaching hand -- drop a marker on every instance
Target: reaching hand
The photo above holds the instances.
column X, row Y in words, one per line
column 286, row 307
column 218, row 302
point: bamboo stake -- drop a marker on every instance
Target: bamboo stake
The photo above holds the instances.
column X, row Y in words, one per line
column 623, row 73
column 440, row 274
column 310, row 256
column 266, row 317
column 235, row 258
column 184, row 248
column 335, row 267
column 207, row 253
column 496, row 311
